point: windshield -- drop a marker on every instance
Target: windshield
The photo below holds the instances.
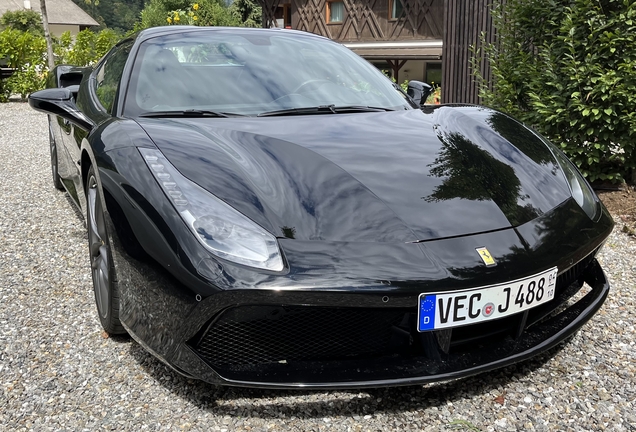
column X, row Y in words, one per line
column 253, row 72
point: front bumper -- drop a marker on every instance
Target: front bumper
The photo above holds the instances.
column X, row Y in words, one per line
column 321, row 359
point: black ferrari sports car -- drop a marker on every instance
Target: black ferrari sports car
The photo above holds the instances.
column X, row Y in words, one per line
column 267, row 209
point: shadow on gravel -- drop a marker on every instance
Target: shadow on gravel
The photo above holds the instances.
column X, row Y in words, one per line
column 73, row 206
column 121, row 339
column 275, row 404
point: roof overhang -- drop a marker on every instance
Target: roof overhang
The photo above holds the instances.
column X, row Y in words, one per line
column 409, row 50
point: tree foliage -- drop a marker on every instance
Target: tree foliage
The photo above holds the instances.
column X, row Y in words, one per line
column 248, row 12
column 114, row 14
column 87, row 47
column 23, row 20
column 244, row 13
column 568, row 68
column 26, row 53
column 204, row 13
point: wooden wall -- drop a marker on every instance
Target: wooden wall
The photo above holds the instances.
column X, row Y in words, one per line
column 365, row 20
column 464, row 22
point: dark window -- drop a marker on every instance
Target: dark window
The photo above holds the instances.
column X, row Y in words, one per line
column 108, row 75
column 282, row 16
column 287, row 15
column 395, row 9
column 335, row 12
column 434, row 74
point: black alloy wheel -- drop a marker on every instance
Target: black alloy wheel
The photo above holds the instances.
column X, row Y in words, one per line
column 57, row 182
column 103, row 269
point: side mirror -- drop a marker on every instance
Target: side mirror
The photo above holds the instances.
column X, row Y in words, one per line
column 419, row 92
column 60, row 102
column 74, row 89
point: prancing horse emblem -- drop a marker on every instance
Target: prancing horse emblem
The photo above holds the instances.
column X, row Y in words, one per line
column 486, row 257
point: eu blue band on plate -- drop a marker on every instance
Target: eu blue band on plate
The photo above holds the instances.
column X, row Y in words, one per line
column 427, row 312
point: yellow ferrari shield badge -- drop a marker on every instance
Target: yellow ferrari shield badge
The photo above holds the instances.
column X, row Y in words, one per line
column 486, row 257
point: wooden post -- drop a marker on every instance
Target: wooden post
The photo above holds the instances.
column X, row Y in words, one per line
column 47, row 35
column 464, row 21
column 396, row 65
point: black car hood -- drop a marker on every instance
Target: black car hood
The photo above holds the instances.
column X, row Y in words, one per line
column 383, row 177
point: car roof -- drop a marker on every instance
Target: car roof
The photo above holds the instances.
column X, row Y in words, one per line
column 168, row 30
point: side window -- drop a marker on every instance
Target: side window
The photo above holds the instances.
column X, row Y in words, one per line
column 109, row 74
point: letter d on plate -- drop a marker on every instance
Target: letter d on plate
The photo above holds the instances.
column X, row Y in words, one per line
column 427, row 312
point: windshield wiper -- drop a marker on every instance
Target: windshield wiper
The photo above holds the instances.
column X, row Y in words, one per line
column 189, row 113
column 324, row 109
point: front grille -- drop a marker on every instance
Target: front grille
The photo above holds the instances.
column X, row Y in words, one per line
column 247, row 338
column 572, row 274
column 268, row 334
column 568, row 284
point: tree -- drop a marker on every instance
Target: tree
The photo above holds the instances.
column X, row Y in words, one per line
column 23, row 20
column 207, row 12
column 567, row 67
column 92, row 4
column 47, row 35
column 114, row 14
column 86, row 48
column 25, row 52
column 249, row 13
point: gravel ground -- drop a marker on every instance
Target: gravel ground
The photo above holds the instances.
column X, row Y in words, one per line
column 58, row 371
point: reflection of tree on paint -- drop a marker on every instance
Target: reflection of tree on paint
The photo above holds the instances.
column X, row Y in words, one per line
column 109, row 74
column 474, row 174
column 523, row 139
column 289, row 232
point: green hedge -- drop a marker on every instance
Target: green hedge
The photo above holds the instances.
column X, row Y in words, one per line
column 207, row 12
column 568, row 68
column 23, row 20
column 88, row 48
column 26, row 52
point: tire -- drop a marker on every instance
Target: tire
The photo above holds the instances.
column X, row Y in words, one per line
column 57, row 181
column 103, row 271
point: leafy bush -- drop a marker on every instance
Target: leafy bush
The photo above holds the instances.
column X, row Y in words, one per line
column 114, row 14
column 24, row 51
column 243, row 13
column 61, row 47
column 153, row 14
column 23, row 20
column 87, row 48
column 83, row 50
column 156, row 12
column 215, row 13
column 568, row 68
column 180, row 16
column 435, row 97
column 247, row 12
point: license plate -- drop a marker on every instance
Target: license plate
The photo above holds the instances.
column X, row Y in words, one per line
column 459, row 308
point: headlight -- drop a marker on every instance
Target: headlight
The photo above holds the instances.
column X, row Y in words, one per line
column 581, row 190
column 222, row 230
